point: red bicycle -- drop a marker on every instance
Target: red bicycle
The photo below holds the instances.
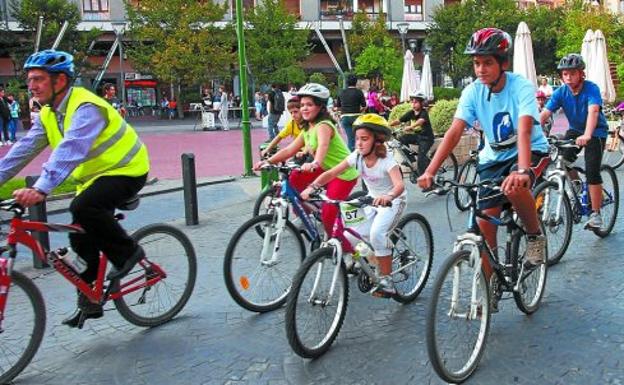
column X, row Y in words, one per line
column 153, row 293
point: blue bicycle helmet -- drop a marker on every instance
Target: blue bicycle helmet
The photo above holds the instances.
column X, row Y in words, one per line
column 51, row 61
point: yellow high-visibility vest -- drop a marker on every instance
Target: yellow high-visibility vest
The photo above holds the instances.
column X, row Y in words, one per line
column 117, row 150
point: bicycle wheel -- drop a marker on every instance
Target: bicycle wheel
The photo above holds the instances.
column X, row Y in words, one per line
column 457, row 327
column 610, row 201
column 614, row 158
column 258, row 270
column 449, row 169
column 313, row 317
column 23, row 326
column 557, row 223
column 530, row 286
column 467, row 174
column 170, row 255
column 413, row 252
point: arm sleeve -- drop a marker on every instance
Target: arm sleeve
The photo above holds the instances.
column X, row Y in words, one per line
column 23, row 152
column 465, row 109
column 593, row 96
column 554, row 103
column 527, row 104
column 409, row 115
column 87, row 123
column 352, row 158
column 287, row 130
column 389, row 163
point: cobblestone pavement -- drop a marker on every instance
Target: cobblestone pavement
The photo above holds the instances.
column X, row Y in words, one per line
column 575, row 338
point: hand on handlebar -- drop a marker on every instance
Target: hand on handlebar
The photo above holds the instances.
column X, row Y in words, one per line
column 28, row 196
column 383, row 200
column 425, row 181
column 582, row 140
column 515, row 182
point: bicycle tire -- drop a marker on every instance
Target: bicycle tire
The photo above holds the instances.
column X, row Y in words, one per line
column 467, row 174
column 35, row 299
column 610, row 201
column 402, row 256
column 149, row 238
column 556, row 249
column 614, row 158
column 535, row 276
column 439, row 355
column 238, row 286
column 295, row 336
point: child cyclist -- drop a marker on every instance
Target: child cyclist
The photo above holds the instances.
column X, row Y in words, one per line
column 292, row 127
column 382, row 177
column 504, row 104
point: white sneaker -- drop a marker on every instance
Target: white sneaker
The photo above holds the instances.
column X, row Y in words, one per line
column 595, row 221
column 536, row 247
column 385, row 288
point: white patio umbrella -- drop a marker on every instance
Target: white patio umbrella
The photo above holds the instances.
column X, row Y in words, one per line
column 598, row 71
column 586, row 47
column 523, row 62
column 426, row 79
column 409, row 83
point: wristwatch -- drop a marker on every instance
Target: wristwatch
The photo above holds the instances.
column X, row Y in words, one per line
column 523, row 171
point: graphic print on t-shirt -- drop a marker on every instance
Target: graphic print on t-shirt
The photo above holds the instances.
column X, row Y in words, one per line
column 504, row 132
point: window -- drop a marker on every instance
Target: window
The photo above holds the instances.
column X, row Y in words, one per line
column 413, row 10
column 95, row 6
column 330, row 8
column 371, row 7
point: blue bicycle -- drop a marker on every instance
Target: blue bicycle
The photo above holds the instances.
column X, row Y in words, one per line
column 266, row 251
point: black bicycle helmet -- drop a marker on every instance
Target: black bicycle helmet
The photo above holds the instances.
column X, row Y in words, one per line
column 571, row 61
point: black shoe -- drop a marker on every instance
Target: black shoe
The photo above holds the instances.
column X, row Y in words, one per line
column 135, row 258
column 85, row 310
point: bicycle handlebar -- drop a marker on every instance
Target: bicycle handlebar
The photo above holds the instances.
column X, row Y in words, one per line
column 443, row 186
column 12, row 205
column 562, row 143
column 366, row 200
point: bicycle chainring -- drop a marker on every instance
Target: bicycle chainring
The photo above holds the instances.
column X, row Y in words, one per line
column 365, row 283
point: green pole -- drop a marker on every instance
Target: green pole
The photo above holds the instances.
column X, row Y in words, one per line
column 242, row 65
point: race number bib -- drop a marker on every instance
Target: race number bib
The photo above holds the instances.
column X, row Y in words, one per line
column 352, row 215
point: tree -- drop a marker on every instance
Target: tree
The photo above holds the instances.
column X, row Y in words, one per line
column 545, row 25
column 382, row 63
column 179, row 42
column 275, row 48
column 55, row 12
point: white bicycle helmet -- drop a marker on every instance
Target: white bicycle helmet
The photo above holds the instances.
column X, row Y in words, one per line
column 315, row 90
column 418, row 95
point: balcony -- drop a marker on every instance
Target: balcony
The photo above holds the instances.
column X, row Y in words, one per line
column 95, row 10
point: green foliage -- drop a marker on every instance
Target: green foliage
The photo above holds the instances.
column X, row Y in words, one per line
column 441, row 115
column 620, row 75
column 318, row 77
column 55, row 12
column 382, row 62
column 399, row 110
column 443, row 93
column 454, row 24
column 178, row 40
column 275, row 48
column 365, row 33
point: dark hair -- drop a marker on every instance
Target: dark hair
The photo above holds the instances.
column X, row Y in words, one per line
column 108, row 86
column 351, row 80
column 294, row 101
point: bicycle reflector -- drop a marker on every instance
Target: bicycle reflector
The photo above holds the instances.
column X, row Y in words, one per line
column 244, row 282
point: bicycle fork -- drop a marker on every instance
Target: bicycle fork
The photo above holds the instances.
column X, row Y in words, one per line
column 314, row 297
column 467, row 241
column 271, row 242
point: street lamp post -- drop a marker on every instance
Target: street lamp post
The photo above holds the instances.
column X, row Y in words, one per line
column 403, row 28
column 119, row 27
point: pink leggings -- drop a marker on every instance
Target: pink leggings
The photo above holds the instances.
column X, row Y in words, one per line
column 336, row 189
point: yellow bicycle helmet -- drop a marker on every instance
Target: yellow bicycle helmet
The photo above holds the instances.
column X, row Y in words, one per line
column 376, row 123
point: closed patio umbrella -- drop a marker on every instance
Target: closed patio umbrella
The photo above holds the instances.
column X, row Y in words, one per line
column 409, row 82
column 599, row 71
column 523, row 62
column 586, row 47
column 426, row 80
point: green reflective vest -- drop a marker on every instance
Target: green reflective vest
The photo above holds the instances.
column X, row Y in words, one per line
column 117, row 150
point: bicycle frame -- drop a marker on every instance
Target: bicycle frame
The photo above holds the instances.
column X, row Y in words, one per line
column 19, row 234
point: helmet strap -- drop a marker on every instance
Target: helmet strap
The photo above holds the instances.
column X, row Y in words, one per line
column 496, row 82
column 61, row 91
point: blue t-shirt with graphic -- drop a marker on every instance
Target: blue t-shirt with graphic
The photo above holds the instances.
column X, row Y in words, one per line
column 499, row 117
column 576, row 107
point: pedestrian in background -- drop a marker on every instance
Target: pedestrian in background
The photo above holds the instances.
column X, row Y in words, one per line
column 351, row 103
column 223, row 109
column 276, row 106
column 258, row 98
column 5, row 117
column 35, row 107
column 14, row 108
column 173, row 106
column 110, row 95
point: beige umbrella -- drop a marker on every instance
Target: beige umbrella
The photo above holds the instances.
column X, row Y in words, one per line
column 598, row 71
column 523, row 62
column 409, row 83
column 426, row 80
column 586, row 47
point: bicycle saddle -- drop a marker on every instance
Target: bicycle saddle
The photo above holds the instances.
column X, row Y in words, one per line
column 130, row 204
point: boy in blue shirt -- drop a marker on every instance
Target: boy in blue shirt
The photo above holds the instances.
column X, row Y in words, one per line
column 582, row 105
column 504, row 104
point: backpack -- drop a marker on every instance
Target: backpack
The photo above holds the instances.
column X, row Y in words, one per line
column 279, row 104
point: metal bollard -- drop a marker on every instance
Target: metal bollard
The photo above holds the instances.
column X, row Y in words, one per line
column 190, row 189
column 38, row 213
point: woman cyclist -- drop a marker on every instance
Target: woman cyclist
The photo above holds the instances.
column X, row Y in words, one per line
column 321, row 139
